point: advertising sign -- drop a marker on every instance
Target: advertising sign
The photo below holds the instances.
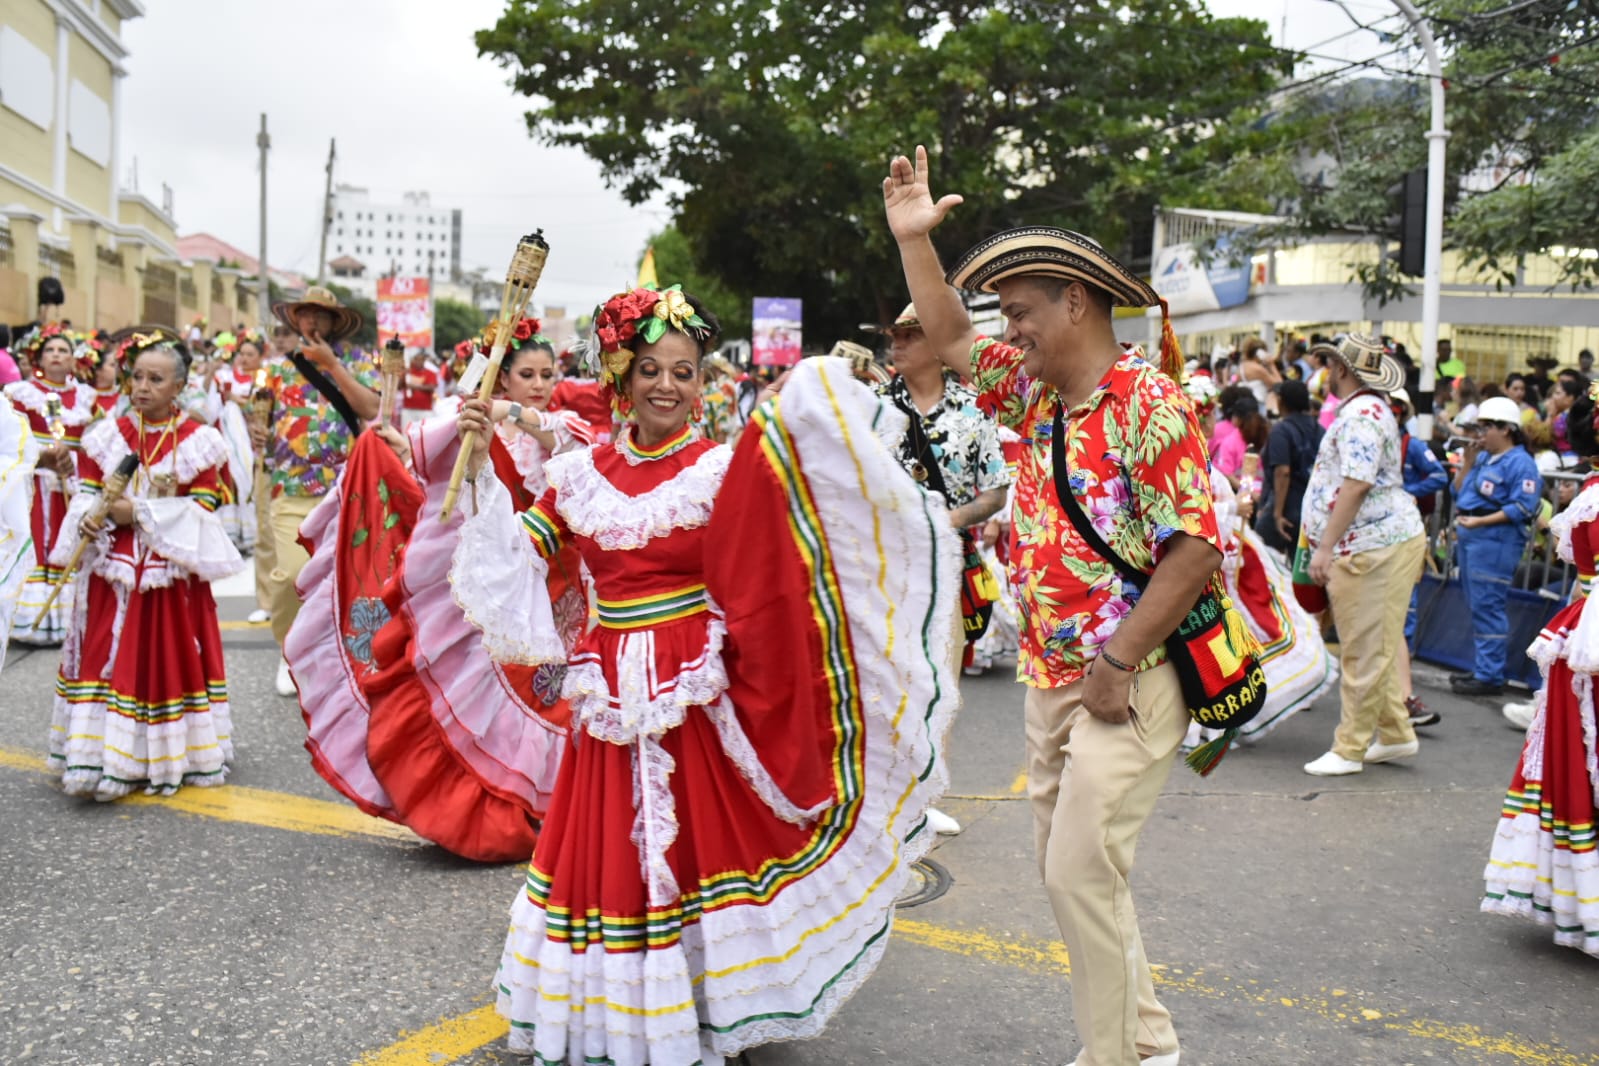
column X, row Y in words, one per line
column 776, row 329
column 1190, row 286
column 405, row 310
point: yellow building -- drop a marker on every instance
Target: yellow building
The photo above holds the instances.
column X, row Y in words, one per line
column 63, row 213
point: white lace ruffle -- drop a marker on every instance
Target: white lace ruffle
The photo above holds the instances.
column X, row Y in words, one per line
column 645, row 704
column 187, row 536
column 500, row 582
column 201, row 450
column 1581, row 647
column 31, row 397
column 655, row 823
column 1585, row 508
column 593, row 507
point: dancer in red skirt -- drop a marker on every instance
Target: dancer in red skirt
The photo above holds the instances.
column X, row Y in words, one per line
column 1544, row 864
column 762, row 704
column 407, row 716
column 141, row 698
column 58, row 409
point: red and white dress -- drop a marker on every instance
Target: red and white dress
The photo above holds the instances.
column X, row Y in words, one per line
column 50, row 497
column 1544, row 864
column 236, row 512
column 406, row 714
column 141, row 697
column 761, row 712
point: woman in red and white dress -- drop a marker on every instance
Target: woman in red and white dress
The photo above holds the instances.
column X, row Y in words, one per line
column 141, row 697
column 233, row 380
column 1544, row 863
column 407, row 716
column 58, row 408
column 761, row 706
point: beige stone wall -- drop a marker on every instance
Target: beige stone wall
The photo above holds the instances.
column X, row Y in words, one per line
column 116, row 305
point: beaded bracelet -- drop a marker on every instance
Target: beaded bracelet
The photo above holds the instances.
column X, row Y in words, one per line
column 1111, row 660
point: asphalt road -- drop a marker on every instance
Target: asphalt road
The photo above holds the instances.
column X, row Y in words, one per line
column 1296, row 920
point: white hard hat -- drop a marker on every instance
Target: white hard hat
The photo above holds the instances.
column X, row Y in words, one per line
column 1499, row 409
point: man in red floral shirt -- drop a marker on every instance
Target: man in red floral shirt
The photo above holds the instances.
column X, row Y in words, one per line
column 1105, row 710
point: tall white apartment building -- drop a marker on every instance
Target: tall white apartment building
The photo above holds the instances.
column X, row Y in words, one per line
column 411, row 238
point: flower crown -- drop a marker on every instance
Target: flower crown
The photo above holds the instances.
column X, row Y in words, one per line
column 129, row 348
column 525, row 330
column 1202, row 391
column 32, row 342
column 89, row 354
column 228, row 344
column 646, row 312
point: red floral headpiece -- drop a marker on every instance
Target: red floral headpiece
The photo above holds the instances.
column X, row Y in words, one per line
column 89, row 353
column 646, row 313
column 32, row 342
column 228, row 344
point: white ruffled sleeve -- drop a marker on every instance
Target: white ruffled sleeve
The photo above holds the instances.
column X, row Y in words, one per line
column 67, row 539
column 499, row 580
column 187, row 536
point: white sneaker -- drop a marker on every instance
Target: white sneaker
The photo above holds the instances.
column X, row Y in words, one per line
column 258, row 616
column 285, row 680
column 1333, row 765
column 1390, row 752
column 1520, row 715
column 1168, row 1059
column 941, row 823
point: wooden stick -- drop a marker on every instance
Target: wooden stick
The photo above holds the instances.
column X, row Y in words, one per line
column 520, row 280
column 110, row 493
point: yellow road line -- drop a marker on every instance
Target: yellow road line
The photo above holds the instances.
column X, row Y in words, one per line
column 457, row 1036
column 244, row 625
column 252, row 806
column 1019, row 785
column 442, row 1042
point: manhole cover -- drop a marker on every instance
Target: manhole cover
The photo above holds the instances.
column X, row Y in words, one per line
column 928, row 881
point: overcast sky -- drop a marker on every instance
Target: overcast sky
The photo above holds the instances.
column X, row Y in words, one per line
column 400, row 85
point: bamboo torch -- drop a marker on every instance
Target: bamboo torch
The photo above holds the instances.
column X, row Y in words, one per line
column 520, row 279
column 110, row 493
column 393, row 370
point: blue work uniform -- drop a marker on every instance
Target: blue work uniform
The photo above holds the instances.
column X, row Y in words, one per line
column 1424, row 477
column 1488, row 555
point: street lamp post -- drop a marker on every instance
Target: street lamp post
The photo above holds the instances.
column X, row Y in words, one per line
column 1432, row 276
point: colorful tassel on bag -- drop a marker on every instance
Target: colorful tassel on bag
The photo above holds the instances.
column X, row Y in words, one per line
column 1205, row 758
column 1172, row 363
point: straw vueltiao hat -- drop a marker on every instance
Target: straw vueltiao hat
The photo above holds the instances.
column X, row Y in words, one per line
column 345, row 320
column 906, row 319
column 1049, row 252
column 1365, row 357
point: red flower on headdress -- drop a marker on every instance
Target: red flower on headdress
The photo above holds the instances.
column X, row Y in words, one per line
column 525, row 328
column 609, row 341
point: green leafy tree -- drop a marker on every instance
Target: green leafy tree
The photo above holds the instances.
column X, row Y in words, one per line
column 454, row 322
column 1522, row 96
column 777, row 118
column 675, row 262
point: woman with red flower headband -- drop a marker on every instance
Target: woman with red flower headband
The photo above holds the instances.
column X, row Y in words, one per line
column 58, row 409
column 406, row 714
column 720, row 860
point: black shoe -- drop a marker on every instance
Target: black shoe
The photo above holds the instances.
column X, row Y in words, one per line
column 1457, row 678
column 1474, row 687
column 1419, row 714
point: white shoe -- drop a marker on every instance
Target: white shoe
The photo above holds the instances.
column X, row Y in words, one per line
column 941, row 823
column 1520, row 715
column 285, row 680
column 1168, row 1059
column 1333, row 765
column 1390, row 752
column 258, row 616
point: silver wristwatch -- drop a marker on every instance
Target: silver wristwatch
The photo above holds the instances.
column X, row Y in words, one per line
column 516, row 413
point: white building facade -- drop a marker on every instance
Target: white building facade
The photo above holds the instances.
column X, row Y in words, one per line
column 412, row 238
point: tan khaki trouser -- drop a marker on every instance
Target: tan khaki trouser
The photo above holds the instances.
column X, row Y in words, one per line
column 1369, row 594
column 287, row 514
column 265, row 556
column 1092, row 786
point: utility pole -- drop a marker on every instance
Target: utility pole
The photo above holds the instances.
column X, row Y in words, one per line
column 1432, row 276
column 264, row 305
column 327, row 217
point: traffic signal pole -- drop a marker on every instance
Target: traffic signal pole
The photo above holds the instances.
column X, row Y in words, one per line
column 1432, row 279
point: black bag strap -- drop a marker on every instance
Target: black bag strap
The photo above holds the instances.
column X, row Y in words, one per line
column 324, row 384
column 1074, row 510
column 921, row 446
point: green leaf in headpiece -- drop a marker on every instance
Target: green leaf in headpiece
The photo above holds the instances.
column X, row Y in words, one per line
column 696, row 321
column 653, row 329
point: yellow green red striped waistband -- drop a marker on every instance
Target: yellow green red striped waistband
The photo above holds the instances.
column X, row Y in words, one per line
column 653, row 609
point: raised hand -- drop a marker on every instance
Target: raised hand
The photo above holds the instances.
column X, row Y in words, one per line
column 908, row 199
